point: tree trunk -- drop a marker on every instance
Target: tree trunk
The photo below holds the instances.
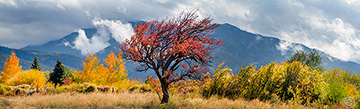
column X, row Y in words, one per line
column 165, row 88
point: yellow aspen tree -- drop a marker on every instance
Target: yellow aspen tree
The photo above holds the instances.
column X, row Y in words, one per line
column 116, row 68
column 92, row 71
column 112, row 73
column 11, row 68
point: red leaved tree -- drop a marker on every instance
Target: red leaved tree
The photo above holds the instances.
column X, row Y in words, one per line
column 180, row 44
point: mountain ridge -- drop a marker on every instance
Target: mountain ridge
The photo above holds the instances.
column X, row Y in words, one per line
column 241, row 48
column 266, row 48
column 46, row 60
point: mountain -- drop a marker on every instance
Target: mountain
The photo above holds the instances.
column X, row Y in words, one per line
column 59, row 46
column 241, row 48
column 66, row 45
column 47, row 60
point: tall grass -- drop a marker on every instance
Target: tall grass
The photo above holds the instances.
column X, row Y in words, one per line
column 128, row 100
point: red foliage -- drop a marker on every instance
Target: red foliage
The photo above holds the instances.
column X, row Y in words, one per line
column 166, row 45
column 67, row 81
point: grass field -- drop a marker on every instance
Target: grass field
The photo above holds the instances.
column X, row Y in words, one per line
column 130, row 100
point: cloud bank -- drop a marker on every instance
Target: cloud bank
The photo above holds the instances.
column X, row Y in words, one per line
column 90, row 45
column 106, row 29
column 332, row 27
column 119, row 31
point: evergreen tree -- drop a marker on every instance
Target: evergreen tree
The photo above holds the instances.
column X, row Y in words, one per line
column 312, row 59
column 58, row 74
column 35, row 65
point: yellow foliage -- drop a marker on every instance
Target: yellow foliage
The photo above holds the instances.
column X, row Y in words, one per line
column 115, row 68
column 342, row 84
column 92, row 71
column 35, row 78
column 114, row 73
column 124, row 84
column 287, row 81
column 220, row 82
column 11, row 68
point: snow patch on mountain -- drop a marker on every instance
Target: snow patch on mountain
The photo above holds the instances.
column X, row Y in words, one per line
column 285, row 46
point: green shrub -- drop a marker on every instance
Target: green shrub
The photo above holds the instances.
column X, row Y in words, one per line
column 8, row 88
column 141, row 88
column 286, row 81
column 218, row 84
column 86, row 88
column 336, row 92
column 2, row 89
column 342, row 84
column 9, row 93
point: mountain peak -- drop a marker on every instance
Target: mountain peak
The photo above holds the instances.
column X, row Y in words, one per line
column 241, row 48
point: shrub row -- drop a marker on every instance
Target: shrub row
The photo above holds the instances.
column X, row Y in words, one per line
column 285, row 82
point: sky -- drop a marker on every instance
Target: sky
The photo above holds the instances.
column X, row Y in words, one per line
column 332, row 26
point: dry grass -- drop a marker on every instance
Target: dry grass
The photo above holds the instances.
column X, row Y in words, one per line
column 128, row 100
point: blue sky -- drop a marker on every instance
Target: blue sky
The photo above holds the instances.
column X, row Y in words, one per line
column 328, row 25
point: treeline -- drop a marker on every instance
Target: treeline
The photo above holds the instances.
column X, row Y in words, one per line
column 93, row 77
column 301, row 80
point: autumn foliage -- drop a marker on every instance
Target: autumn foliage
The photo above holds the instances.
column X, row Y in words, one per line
column 166, row 45
column 11, row 68
column 32, row 77
column 91, row 70
column 112, row 73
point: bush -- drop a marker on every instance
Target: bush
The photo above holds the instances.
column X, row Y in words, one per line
column 218, row 84
column 186, row 86
column 87, row 87
column 9, row 93
column 141, row 88
column 342, row 84
column 240, row 82
column 7, row 88
column 285, row 81
column 31, row 77
column 2, row 89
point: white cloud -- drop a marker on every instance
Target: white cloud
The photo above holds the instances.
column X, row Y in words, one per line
column 332, row 27
column 9, row 2
column 71, row 3
column 66, row 43
column 285, row 46
column 120, row 31
column 333, row 36
column 351, row 2
column 92, row 45
column 60, row 6
column 100, row 40
column 258, row 37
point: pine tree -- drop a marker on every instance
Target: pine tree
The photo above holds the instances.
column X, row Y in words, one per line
column 35, row 65
column 58, row 74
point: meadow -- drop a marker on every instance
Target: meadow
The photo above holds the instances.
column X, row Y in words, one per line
column 131, row 100
column 178, row 51
column 289, row 84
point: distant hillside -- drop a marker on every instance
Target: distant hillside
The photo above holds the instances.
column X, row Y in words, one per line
column 65, row 44
column 240, row 49
column 46, row 60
